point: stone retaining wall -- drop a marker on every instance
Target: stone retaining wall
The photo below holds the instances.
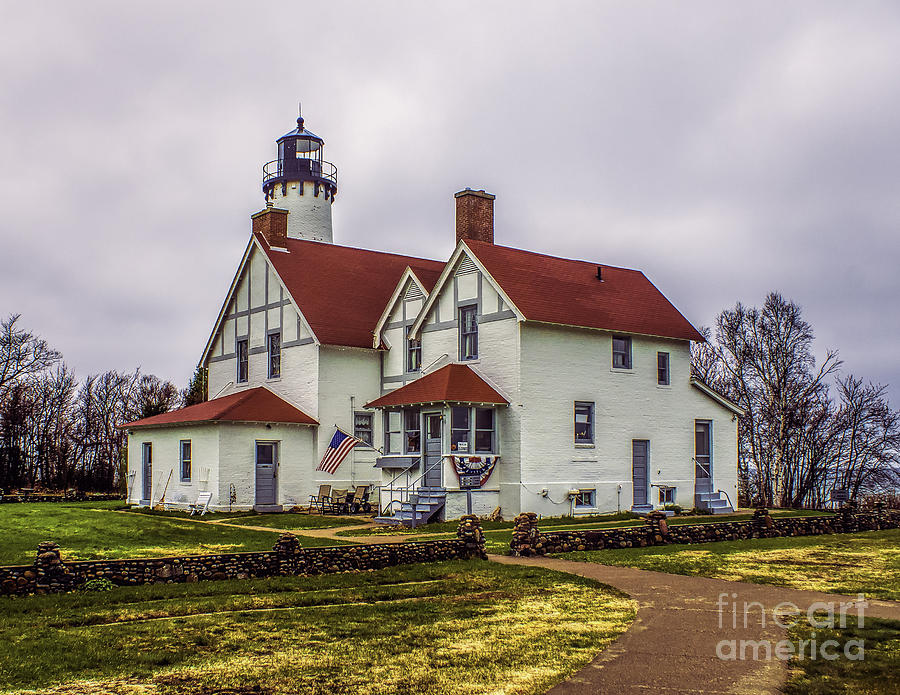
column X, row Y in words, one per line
column 528, row 540
column 50, row 574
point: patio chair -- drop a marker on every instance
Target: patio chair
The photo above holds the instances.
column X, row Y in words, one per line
column 338, row 503
column 361, row 500
column 201, row 506
column 318, row 501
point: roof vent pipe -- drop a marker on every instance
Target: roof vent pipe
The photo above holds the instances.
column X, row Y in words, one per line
column 600, row 273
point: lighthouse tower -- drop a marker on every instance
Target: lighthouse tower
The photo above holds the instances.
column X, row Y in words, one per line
column 303, row 183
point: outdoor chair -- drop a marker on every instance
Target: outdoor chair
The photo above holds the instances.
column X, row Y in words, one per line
column 339, row 501
column 201, row 506
column 361, row 500
column 318, row 501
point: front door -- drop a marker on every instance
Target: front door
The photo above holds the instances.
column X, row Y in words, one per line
column 433, row 449
column 266, row 467
column 640, row 463
column 147, row 473
column 703, row 456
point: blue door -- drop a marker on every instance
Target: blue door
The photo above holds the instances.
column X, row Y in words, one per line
column 640, row 464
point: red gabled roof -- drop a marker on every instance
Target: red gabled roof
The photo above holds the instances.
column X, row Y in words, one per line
column 567, row 292
column 454, row 383
column 342, row 291
column 253, row 405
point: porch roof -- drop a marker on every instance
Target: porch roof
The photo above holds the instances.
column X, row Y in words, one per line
column 253, row 405
column 453, row 383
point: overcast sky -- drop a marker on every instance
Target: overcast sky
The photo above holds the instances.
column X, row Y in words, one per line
column 727, row 149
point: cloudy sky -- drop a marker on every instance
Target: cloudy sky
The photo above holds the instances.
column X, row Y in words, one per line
column 727, row 149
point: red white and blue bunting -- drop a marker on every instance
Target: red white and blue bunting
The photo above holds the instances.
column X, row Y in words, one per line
column 473, row 471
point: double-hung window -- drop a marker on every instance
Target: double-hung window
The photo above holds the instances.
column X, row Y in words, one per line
column 584, row 422
column 413, row 431
column 621, row 352
column 185, row 446
column 393, row 437
column 362, row 427
column 473, row 430
column 484, row 430
column 459, row 430
column 468, row 333
column 662, row 368
column 243, row 361
column 413, row 352
column 274, row 355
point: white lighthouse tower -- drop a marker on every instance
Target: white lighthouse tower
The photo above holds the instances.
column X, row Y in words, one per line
column 303, row 183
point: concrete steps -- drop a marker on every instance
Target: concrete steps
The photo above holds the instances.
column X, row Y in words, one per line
column 713, row 502
column 421, row 508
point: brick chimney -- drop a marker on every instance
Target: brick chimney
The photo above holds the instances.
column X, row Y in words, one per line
column 475, row 216
column 272, row 224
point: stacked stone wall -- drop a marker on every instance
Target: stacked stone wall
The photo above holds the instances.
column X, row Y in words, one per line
column 50, row 574
column 528, row 540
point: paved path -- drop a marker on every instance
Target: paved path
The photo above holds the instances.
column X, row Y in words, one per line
column 671, row 646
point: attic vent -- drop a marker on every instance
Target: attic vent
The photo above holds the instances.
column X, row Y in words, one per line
column 467, row 265
column 413, row 291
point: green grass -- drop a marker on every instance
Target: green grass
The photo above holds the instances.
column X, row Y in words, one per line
column 569, row 523
column 875, row 674
column 444, row 628
column 93, row 530
column 497, row 541
column 866, row 563
column 290, row 522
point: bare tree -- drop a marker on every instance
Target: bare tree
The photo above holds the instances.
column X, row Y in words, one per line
column 22, row 354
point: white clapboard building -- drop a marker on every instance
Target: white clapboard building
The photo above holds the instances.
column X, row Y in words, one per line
column 496, row 378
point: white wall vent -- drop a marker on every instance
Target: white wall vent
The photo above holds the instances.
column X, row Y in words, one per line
column 413, row 291
column 466, row 266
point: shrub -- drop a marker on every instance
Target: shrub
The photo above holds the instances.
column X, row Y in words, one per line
column 99, row 584
column 677, row 508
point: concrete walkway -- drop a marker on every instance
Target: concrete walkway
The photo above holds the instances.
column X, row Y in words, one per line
column 672, row 645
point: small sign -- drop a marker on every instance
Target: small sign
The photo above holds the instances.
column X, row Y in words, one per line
column 469, row 482
column 840, row 494
column 462, row 446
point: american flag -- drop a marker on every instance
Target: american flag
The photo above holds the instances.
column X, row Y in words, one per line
column 337, row 451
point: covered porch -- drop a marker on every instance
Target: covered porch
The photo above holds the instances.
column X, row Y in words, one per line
column 441, row 446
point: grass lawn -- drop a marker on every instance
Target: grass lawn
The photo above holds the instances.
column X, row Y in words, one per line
column 444, row 628
column 498, row 535
column 840, row 563
column 91, row 530
column 564, row 523
column 875, row 674
column 291, row 522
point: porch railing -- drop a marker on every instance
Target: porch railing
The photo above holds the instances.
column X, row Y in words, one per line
column 401, row 493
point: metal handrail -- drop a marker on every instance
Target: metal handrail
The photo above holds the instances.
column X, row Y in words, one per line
column 733, row 508
column 405, row 491
column 276, row 169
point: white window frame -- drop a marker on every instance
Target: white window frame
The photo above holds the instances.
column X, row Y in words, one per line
column 388, row 431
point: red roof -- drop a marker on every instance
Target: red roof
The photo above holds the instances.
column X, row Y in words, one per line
column 567, row 292
column 454, row 383
column 342, row 291
column 253, row 405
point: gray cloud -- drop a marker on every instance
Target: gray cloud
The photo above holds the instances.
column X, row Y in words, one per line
column 726, row 149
